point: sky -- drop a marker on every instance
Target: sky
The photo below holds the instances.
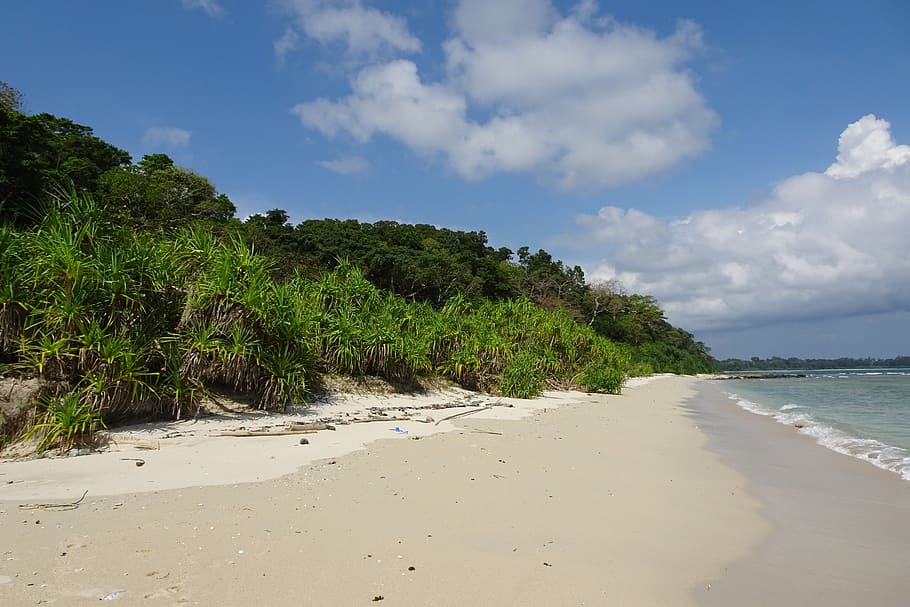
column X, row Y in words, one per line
column 746, row 163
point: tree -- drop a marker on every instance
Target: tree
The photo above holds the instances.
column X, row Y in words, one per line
column 158, row 194
column 42, row 153
column 10, row 98
column 549, row 282
column 271, row 234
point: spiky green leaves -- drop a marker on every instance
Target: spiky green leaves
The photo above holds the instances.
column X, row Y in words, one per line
column 66, row 423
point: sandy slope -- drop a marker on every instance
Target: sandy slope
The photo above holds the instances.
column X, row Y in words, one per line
column 597, row 501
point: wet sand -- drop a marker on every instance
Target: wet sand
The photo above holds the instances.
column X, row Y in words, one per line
column 600, row 500
column 841, row 526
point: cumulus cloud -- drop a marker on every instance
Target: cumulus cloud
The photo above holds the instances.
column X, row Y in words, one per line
column 210, row 7
column 821, row 245
column 346, row 166
column 866, row 145
column 362, row 30
column 167, row 136
column 586, row 100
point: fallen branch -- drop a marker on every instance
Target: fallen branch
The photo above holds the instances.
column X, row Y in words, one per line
column 464, row 413
column 313, row 427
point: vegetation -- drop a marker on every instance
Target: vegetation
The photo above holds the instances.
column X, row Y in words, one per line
column 777, row 363
column 67, row 423
column 131, row 290
column 430, row 264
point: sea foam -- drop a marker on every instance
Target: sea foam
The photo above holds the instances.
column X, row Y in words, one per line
column 887, row 457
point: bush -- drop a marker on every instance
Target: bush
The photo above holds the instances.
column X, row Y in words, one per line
column 641, row 369
column 521, row 378
column 67, row 423
column 598, row 377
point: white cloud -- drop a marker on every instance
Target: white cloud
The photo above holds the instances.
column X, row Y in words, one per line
column 167, row 136
column 391, row 99
column 285, row 44
column 867, row 145
column 589, row 102
column 346, row 166
column 362, row 30
column 210, row 7
column 822, row 245
column 481, row 21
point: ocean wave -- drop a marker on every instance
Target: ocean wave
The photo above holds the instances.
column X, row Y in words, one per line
column 751, row 407
column 877, row 453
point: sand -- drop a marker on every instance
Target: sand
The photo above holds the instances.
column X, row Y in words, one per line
column 578, row 500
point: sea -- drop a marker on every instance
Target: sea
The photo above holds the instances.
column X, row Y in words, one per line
column 861, row 413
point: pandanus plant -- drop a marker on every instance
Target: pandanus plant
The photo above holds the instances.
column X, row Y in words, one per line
column 130, row 324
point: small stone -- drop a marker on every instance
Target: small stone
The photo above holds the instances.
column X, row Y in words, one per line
column 304, row 441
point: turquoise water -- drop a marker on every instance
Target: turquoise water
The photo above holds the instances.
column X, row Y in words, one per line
column 865, row 414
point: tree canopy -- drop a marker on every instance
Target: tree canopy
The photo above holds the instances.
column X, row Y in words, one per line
column 41, row 153
column 155, row 193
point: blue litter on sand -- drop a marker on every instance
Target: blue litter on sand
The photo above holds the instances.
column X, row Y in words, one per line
column 398, row 430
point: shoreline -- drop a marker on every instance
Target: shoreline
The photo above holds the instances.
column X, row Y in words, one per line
column 602, row 499
column 839, row 532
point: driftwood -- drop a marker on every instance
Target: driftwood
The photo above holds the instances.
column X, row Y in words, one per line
column 311, row 427
column 464, row 413
column 264, row 432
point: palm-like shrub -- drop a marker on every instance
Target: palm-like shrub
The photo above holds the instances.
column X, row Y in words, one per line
column 135, row 325
column 66, row 423
column 12, row 307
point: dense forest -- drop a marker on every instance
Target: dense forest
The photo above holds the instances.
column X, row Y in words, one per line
column 131, row 289
column 776, row 363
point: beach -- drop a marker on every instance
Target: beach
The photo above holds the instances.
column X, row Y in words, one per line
column 589, row 500
column 646, row 498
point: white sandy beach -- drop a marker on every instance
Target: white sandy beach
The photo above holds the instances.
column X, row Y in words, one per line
column 587, row 500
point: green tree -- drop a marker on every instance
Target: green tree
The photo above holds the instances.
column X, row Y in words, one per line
column 10, row 98
column 155, row 193
column 43, row 153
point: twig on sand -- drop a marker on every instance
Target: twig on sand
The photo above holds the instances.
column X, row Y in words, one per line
column 479, row 431
column 70, row 506
column 464, row 413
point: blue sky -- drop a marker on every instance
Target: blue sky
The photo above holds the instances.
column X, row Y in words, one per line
column 746, row 163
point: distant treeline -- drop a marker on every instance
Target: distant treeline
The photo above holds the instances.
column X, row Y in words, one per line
column 776, row 363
